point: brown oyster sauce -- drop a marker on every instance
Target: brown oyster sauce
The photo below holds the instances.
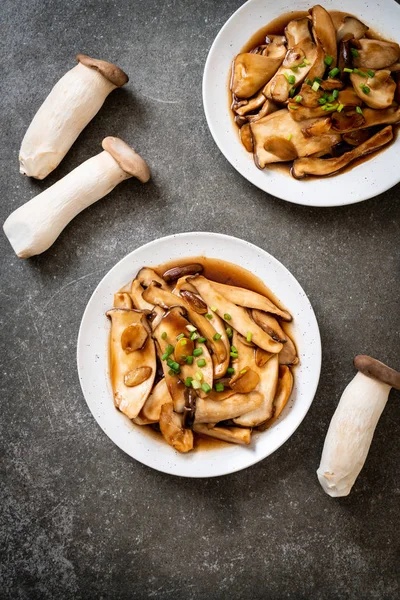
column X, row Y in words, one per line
column 277, row 27
column 222, row 272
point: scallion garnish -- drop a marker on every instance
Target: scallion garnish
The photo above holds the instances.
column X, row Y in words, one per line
column 201, row 340
column 230, row 371
column 322, row 101
column 362, row 74
column 347, row 70
column 217, row 336
column 227, row 317
column 306, row 61
column 234, row 355
column 371, row 73
column 340, row 108
column 168, row 351
column 219, row 387
column 191, row 328
column 290, row 78
column 243, row 371
column 171, row 372
column 249, row 336
column 189, row 360
column 308, row 81
column 209, row 316
column 335, row 94
column 196, row 385
column 201, row 362
column 328, row 60
column 206, row 388
column 289, row 137
column 331, row 98
column 365, row 89
column 293, row 107
column 197, row 351
column 334, row 72
column 292, row 92
column 180, row 336
column 229, row 332
column 298, row 98
column 198, row 376
column 194, row 336
column 214, row 308
column 303, row 64
column 183, row 342
column 164, row 335
column 359, row 110
column 315, row 86
column 354, row 52
column 188, row 381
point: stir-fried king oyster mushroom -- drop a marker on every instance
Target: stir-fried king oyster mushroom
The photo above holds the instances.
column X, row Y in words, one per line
column 198, row 357
column 331, row 73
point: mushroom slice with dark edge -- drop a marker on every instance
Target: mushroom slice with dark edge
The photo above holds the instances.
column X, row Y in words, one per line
column 324, row 30
column 246, row 138
column 151, row 409
column 171, row 427
column 375, row 54
column 321, row 167
column 345, row 59
column 189, row 410
column 282, row 395
column 350, row 27
column 267, row 108
column 214, row 411
column 270, row 325
column 351, row 121
column 355, row 138
column 318, row 127
column 296, row 31
column 331, row 84
column 377, row 91
column 146, row 276
column 279, row 138
column 298, row 113
column 348, row 98
column 220, row 366
column 250, row 72
column 250, row 299
column 175, row 273
column 122, row 300
column 127, row 364
column 136, row 294
column 234, row 435
column 235, row 316
column 250, row 106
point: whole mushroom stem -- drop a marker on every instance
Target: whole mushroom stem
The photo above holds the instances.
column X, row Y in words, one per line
column 353, row 425
column 34, row 226
column 71, row 104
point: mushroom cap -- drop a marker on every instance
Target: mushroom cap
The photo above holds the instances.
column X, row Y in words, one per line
column 110, row 71
column 127, row 158
column 377, row 370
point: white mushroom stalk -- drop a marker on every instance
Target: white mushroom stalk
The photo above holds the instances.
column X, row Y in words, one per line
column 353, row 425
column 71, row 105
column 33, row 227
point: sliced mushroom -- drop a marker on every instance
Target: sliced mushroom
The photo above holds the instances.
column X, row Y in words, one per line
column 355, row 138
column 136, row 294
column 236, row 316
column 122, row 300
column 270, row 325
column 298, row 113
column 194, row 302
column 331, row 84
column 324, row 29
column 246, row 137
column 190, row 408
column 137, row 376
column 377, row 91
column 322, row 167
column 267, row 108
column 250, row 106
column 213, row 411
column 250, row 299
column 250, row 72
column 244, row 381
column 348, row 98
column 262, row 357
column 310, row 98
column 318, row 127
column 318, row 66
column 348, row 121
column 281, row 126
column 146, row 276
column 171, row 427
column 350, row 27
column 351, row 121
column 151, row 409
column 345, row 58
column 220, row 366
column 130, row 400
column 375, row 54
column 134, row 337
column 176, row 272
column 297, row 30
column 234, row 435
column 282, row 395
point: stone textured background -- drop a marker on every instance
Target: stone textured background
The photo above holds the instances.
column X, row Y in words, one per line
column 80, row 519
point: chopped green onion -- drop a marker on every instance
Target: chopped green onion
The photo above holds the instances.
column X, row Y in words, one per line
column 180, row 336
column 289, row 137
column 234, row 349
column 359, row 110
column 243, row 371
column 206, row 388
column 219, row 387
column 249, row 336
column 294, row 69
column 189, row 360
column 209, row 316
column 303, row 64
column 198, row 376
column 362, row 74
column 335, row 94
column 227, row 317
column 171, row 372
column 217, row 337
column 183, row 342
column 173, row 365
column 331, row 98
column 355, row 70
column 347, row 70
column 229, row 332
column 196, row 385
column 306, row 61
column 340, row 108
column 188, row 381
column 201, row 340
column 292, row 107
column 230, row 371
column 330, row 107
column 191, row 328
column 168, row 351
column 298, row 98
column 197, row 351
column 214, row 308
column 365, row 89
column 308, row 81
column 234, row 355
column 371, row 73
column 315, row 86
column 328, row 60
column 201, row 362
column 322, row 101
column 354, row 52
column 290, row 78
column 318, row 79
column 292, row 92
column 334, row 72
column 164, row 335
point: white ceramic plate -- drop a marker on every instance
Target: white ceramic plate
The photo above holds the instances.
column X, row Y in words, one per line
column 363, row 181
column 93, row 356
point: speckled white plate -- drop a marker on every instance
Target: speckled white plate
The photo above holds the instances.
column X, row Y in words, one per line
column 363, row 181
column 93, row 356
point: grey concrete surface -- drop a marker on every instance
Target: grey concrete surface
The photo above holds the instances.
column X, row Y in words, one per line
column 80, row 519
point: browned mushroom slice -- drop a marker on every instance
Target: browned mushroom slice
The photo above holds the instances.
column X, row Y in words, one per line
column 220, row 366
column 377, row 91
column 281, row 126
column 324, row 30
column 267, row 108
column 213, row 411
column 133, row 371
column 234, row 435
column 122, row 300
column 246, row 138
column 348, row 98
column 270, row 325
column 345, row 58
column 250, row 299
column 375, row 54
column 151, row 409
column 146, row 276
column 351, row 27
column 175, row 273
column 351, row 121
column 136, row 294
column 309, row 97
column 282, row 395
column 321, row 167
column 250, row 72
column 297, row 30
column 318, row 127
column 194, row 302
column 234, row 315
column 262, row 357
column 331, row 84
column 171, row 427
column 244, row 381
column 298, row 113
column 252, row 105
column 355, row 138
column 275, row 46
